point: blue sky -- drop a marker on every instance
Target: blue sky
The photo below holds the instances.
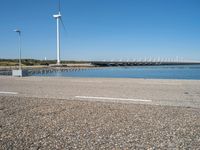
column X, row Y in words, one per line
column 102, row 29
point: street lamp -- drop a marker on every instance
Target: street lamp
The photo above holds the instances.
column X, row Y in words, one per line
column 19, row 72
column 19, row 33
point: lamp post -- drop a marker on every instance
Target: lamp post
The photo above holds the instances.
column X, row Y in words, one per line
column 19, row 72
column 19, row 33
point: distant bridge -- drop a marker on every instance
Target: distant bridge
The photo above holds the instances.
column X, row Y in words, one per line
column 142, row 63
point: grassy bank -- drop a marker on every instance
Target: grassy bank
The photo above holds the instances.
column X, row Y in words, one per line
column 34, row 62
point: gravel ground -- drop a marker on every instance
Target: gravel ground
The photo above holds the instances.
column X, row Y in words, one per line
column 33, row 123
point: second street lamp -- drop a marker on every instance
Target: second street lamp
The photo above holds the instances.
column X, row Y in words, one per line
column 19, row 72
column 19, row 33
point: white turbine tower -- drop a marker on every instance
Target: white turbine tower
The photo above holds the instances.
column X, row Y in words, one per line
column 58, row 20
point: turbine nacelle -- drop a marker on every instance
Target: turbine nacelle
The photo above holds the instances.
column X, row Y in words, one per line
column 17, row 30
column 57, row 15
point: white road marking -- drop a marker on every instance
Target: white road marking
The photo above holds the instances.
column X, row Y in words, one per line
column 13, row 93
column 87, row 81
column 111, row 98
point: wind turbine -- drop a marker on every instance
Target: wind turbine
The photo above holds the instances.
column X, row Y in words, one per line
column 58, row 20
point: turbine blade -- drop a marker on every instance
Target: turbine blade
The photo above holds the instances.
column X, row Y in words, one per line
column 63, row 24
column 58, row 5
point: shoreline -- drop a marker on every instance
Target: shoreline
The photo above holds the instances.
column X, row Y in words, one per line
column 100, row 78
column 34, row 69
column 109, row 78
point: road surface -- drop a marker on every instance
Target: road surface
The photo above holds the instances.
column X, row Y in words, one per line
column 143, row 91
column 90, row 113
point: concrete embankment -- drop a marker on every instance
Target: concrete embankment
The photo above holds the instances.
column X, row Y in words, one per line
column 7, row 70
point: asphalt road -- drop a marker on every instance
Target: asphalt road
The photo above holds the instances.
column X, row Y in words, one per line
column 139, row 91
column 82, row 113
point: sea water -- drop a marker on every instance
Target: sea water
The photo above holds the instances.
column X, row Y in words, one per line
column 147, row 72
